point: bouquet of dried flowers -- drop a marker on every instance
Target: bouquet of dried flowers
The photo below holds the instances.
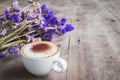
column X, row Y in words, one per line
column 20, row 26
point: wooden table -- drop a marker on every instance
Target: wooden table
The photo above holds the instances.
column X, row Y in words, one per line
column 92, row 49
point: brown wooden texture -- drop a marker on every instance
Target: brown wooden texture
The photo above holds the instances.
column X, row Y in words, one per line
column 92, row 49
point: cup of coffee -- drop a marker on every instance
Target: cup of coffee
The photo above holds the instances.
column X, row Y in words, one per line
column 40, row 57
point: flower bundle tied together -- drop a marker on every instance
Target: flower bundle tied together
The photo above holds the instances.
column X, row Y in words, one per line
column 21, row 26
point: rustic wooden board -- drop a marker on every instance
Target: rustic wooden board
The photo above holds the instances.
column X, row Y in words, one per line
column 92, row 49
column 112, row 6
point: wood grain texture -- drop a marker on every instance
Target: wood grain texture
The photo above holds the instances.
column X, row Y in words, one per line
column 112, row 6
column 92, row 49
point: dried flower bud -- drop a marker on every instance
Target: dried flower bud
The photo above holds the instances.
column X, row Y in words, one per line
column 36, row 5
column 30, row 1
column 36, row 39
column 3, row 32
column 2, row 55
column 15, row 3
column 17, row 8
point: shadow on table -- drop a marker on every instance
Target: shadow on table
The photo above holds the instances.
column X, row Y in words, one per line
column 20, row 74
column 13, row 69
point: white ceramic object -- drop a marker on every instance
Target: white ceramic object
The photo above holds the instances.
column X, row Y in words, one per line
column 41, row 67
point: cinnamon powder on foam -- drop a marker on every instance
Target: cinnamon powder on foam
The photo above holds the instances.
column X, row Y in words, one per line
column 40, row 47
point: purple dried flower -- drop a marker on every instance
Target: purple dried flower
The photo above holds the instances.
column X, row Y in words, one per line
column 49, row 15
column 43, row 8
column 46, row 36
column 30, row 1
column 10, row 49
column 51, row 30
column 63, row 21
column 17, row 8
column 3, row 32
column 59, row 23
column 68, row 27
column 16, row 17
column 38, row 16
column 2, row 55
column 13, row 50
column 36, row 5
column 19, row 47
column 29, row 38
column 23, row 16
column 15, row 3
column 16, row 51
column 33, row 27
column 36, row 39
column 16, row 26
column 7, row 13
column 52, row 21
column 49, row 36
column 58, row 32
column 32, row 15
column 36, row 21
column 42, row 25
column 2, row 21
column 38, row 12
column 28, row 17
column 45, row 22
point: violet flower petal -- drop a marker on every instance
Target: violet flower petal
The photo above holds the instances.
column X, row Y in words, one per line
column 29, row 38
column 15, row 3
column 19, row 47
column 18, row 8
column 4, row 31
column 63, row 21
column 13, row 50
column 10, row 50
column 30, row 1
column 36, row 39
column 2, row 55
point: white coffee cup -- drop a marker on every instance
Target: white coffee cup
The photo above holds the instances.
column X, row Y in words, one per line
column 42, row 66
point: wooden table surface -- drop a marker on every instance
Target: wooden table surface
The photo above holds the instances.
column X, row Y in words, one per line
column 92, row 50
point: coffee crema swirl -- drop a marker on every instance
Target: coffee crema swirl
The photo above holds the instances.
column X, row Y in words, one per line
column 38, row 50
column 40, row 47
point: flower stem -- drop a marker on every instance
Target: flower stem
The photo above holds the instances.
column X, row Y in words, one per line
column 17, row 32
column 13, row 43
column 16, row 37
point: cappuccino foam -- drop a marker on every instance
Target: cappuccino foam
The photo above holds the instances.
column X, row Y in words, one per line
column 39, row 49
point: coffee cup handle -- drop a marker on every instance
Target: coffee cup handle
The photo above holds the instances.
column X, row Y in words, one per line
column 63, row 64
